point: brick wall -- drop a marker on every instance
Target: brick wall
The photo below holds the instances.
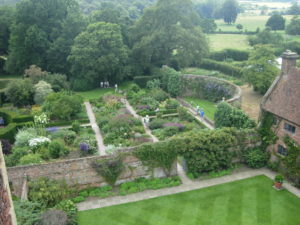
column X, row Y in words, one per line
column 78, row 172
column 7, row 214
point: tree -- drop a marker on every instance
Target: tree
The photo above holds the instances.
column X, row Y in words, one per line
column 261, row 69
column 230, row 11
column 229, row 116
column 99, row 54
column 42, row 90
column 276, row 22
column 294, row 10
column 168, row 34
column 37, row 28
column 266, row 37
column 35, row 74
column 239, row 27
column 6, row 20
column 20, row 92
column 294, row 27
column 62, row 105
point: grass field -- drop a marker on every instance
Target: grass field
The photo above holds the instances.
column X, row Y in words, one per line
column 96, row 93
column 222, row 41
column 250, row 23
column 208, row 107
column 251, row 201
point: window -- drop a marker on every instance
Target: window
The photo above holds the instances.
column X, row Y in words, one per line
column 282, row 150
column 289, row 128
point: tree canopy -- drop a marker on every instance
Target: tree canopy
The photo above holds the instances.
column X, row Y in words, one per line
column 294, row 27
column 99, row 54
column 230, row 11
column 167, row 34
column 276, row 22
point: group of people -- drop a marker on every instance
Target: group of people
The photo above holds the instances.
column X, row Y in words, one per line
column 104, row 84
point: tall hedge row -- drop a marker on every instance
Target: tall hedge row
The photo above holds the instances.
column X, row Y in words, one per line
column 226, row 68
column 237, row 55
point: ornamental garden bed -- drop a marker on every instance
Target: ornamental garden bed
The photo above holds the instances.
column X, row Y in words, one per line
column 166, row 127
column 118, row 126
column 35, row 145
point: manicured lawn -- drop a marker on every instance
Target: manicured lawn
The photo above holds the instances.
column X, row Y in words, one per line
column 209, row 107
column 222, row 41
column 98, row 92
column 251, row 201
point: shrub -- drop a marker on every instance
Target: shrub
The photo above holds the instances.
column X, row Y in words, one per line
column 183, row 114
column 255, row 157
column 215, row 91
column 6, row 146
column 236, row 55
column 156, row 123
column 9, row 132
column 47, row 192
column 42, row 90
column 28, row 212
column 20, row 92
column 159, row 95
column 76, row 126
column 81, row 84
column 54, row 217
column 222, row 67
column 24, row 135
column 57, row 149
column 58, row 82
column 78, row 199
column 229, row 116
column 14, row 158
column 142, row 80
column 153, row 84
column 70, row 208
column 67, row 135
column 109, row 169
column 31, row 159
column 279, row 178
column 62, row 105
column 161, row 154
column 174, row 84
column 171, row 104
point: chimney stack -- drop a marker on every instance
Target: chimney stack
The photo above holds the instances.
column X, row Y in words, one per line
column 289, row 61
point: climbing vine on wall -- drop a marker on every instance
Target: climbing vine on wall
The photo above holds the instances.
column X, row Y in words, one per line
column 265, row 130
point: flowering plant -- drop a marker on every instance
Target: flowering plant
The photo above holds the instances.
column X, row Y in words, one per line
column 41, row 119
column 38, row 141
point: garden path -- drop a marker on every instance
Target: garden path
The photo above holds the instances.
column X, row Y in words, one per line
column 192, row 185
column 94, row 125
column 203, row 121
column 133, row 112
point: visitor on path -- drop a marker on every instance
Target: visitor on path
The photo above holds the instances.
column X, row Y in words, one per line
column 147, row 120
column 116, row 88
column 202, row 113
column 197, row 109
column 101, row 84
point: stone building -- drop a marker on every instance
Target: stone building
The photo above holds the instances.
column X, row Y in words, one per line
column 7, row 214
column 282, row 100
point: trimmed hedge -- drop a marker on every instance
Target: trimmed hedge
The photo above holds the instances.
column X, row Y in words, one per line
column 228, row 69
column 236, row 32
column 142, row 80
column 163, row 112
column 236, row 55
column 67, row 123
column 8, row 132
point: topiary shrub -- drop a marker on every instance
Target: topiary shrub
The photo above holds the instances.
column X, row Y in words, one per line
column 255, row 157
column 54, row 217
column 110, row 169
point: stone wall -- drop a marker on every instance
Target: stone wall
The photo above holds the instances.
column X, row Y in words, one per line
column 79, row 172
column 7, row 214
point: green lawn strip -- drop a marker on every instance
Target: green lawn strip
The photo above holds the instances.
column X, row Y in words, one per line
column 98, row 92
column 219, row 42
column 209, row 107
column 251, row 201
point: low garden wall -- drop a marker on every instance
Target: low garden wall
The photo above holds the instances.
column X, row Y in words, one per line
column 210, row 88
column 80, row 172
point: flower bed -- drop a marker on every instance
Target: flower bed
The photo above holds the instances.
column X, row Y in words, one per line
column 37, row 144
column 118, row 126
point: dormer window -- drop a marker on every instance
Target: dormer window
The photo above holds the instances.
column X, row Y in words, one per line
column 290, row 128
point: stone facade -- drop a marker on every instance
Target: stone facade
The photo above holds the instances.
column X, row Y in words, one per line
column 7, row 214
column 78, row 172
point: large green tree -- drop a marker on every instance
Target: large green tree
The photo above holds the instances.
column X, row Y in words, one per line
column 37, row 30
column 276, row 22
column 168, row 34
column 230, row 11
column 6, row 20
column 294, row 27
column 99, row 54
column 261, row 70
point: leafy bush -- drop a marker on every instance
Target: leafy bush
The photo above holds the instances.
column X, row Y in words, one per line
column 172, row 104
column 9, row 132
column 57, row 149
column 58, row 82
column 183, row 114
column 143, row 80
column 222, row 67
column 31, row 159
column 14, row 158
column 20, row 92
column 42, row 90
column 70, row 209
column 76, row 126
column 235, row 54
column 229, row 116
column 161, row 154
column 28, row 212
column 48, row 192
column 255, row 157
column 109, row 169
column 24, row 135
column 62, row 105
column 81, row 84
column 159, row 95
column 54, row 217
column 78, row 199
column 67, row 135
column 153, row 84
column 156, row 123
